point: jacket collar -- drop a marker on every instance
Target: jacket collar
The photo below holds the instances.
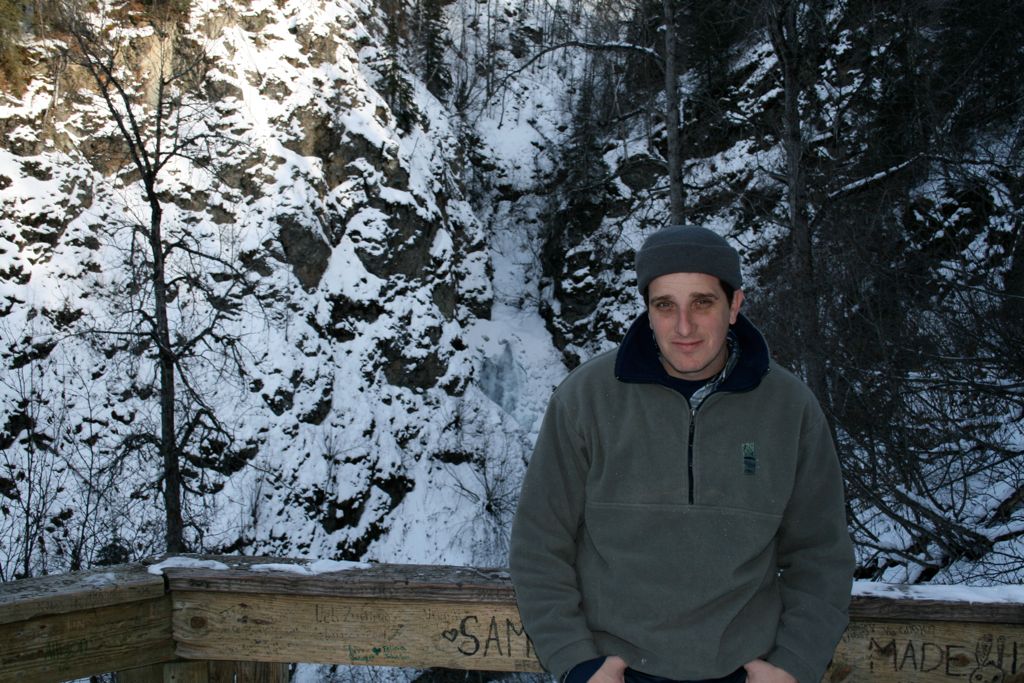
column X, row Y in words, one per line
column 637, row 359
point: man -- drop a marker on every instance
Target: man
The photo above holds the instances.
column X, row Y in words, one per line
column 682, row 516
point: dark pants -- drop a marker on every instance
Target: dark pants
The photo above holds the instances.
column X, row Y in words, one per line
column 583, row 672
column 737, row 676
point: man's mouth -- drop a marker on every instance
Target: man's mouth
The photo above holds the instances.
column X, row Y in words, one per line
column 686, row 345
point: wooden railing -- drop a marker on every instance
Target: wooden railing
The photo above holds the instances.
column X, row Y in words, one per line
column 246, row 618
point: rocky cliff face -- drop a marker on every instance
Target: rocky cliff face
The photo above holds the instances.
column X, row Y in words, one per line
column 325, row 253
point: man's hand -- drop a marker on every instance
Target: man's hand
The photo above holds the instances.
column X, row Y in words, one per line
column 612, row 671
column 760, row 671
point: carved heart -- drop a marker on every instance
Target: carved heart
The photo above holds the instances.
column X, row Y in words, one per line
column 376, row 650
column 450, row 635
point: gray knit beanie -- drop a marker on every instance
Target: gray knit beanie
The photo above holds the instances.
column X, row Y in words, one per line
column 687, row 249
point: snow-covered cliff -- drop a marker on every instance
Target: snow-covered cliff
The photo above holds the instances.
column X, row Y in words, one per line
column 368, row 364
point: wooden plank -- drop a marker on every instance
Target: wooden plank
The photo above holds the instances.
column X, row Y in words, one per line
column 57, row 594
column 466, row 618
column 898, row 608
column 489, row 636
column 386, row 581
column 932, row 651
column 187, row 672
column 153, row 673
column 210, row 672
column 346, row 630
column 248, row 672
column 91, row 641
column 468, row 584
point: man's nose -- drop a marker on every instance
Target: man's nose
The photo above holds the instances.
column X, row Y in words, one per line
column 684, row 325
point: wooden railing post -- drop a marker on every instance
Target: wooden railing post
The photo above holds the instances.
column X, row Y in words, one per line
column 57, row 628
column 207, row 672
column 248, row 672
column 154, row 673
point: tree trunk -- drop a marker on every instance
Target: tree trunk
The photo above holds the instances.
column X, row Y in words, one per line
column 785, row 38
column 168, row 441
column 675, row 171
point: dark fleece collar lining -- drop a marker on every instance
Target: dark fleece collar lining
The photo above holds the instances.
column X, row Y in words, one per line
column 637, row 359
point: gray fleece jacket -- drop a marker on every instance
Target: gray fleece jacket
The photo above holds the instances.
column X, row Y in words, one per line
column 688, row 544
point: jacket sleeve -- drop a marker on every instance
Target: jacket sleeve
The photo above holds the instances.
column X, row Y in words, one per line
column 542, row 554
column 815, row 559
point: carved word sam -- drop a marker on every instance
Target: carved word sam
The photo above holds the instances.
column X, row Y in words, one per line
column 495, row 638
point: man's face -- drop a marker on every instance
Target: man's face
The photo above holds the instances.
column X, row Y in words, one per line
column 690, row 317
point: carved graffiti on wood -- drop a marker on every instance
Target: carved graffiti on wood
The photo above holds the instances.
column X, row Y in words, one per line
column 984, row 665
column 490, row 636
column 974, row 653
column 497, row 637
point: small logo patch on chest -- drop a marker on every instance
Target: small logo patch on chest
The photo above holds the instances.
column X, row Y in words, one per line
column 749, row 459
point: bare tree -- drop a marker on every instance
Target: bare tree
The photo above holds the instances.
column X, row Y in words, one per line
column 786, row 21
column 882, row 296
column 30, row 476
column 150, row 99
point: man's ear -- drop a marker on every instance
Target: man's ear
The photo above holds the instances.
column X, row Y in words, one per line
column 734, row 307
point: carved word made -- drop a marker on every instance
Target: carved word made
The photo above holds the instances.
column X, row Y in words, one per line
column 989, row 660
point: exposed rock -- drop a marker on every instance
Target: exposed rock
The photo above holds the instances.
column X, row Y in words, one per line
column 304, row 250
column 642, row 171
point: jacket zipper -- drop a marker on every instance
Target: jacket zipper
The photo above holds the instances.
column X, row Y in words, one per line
column 689, row 455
